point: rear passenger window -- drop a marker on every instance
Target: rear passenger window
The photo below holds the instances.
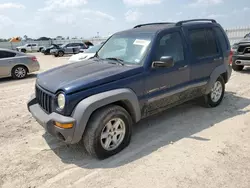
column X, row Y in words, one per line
column 170, row 45
column 203, row 43
column 222, row 39
column 5, row 54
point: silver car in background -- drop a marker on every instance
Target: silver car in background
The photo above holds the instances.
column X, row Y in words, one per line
column 17, row 64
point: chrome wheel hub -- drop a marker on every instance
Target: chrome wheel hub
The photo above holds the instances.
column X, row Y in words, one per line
column 216, row 91
column 113, row 134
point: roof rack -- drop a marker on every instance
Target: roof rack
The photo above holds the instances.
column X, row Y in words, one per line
column 156, row 23
column 194, row 20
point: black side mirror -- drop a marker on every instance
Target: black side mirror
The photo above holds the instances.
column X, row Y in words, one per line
column 165, row 61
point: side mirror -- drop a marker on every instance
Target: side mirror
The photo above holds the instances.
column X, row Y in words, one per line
column 165, row 61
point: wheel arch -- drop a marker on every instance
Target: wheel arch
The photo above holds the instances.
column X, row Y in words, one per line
column 20, row 65
column 125, row 98
column 218, row 71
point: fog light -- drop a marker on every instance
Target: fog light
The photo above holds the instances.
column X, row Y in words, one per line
column 64, row 125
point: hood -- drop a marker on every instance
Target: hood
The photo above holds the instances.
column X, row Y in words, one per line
column 82, row 75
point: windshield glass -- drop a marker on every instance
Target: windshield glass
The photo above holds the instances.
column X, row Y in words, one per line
column 130, row 48
column 93, row 49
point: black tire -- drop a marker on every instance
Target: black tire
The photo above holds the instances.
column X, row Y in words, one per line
column 23, row 50
column 16, row 72
column 60, row 53
column 207, row 100
column 237, row 67
column 96, row 124
column 56, row 55
column 40, row 49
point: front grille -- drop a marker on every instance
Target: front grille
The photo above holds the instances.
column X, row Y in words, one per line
column 241, row 48
column 44, row 100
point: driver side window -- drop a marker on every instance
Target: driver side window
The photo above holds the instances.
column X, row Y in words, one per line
column 170, row 45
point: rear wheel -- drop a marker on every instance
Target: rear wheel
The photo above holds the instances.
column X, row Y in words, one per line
column 19, row 72
column 108, row 132
column 60, row 53
column 216, row 95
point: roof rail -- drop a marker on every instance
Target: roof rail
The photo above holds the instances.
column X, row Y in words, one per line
column 156, row 23
column 194, row 20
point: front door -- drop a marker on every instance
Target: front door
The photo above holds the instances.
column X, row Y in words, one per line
column 164, row 86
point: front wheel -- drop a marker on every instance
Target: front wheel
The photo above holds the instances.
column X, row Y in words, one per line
column 108, row 132
column 237, row 67
column 215, row 97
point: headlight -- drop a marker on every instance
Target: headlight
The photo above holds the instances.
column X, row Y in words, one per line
column 61, row 101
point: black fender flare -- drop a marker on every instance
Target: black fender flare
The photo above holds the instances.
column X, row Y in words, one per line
column 87, row 106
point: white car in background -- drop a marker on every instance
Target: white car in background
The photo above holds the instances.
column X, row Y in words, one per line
column 87, row 54
column 30, row 47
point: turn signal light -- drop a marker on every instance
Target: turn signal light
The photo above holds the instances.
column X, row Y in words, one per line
column 64, row 125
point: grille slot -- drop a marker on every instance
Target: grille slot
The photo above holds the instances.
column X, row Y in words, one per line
column 44, row 100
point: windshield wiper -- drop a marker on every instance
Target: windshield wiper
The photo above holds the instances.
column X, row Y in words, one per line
column 120, row 61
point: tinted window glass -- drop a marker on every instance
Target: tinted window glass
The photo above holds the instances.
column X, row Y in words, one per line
column 222, row 39
column 203, row 43
column 33, row 44
column 212, row 48
column 5, row 54
column 170, row 45
column 198, row 42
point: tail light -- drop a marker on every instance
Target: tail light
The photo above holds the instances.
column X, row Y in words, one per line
column 34, row 59
column 230, row 57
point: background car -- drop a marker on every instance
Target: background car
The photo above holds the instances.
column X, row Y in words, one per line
column 69, row 48
column 87, row 54
column 30, row 47
column 241, row 54
column 17, row 64
column 46, row 51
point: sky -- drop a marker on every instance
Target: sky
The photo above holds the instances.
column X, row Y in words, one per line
column 86, row 18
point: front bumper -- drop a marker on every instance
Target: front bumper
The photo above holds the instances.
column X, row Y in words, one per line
column 242, row 60
column 47, row 121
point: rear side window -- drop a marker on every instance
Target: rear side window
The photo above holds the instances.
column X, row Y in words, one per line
column 203, row 43
column 222, row 39
column 5, row 54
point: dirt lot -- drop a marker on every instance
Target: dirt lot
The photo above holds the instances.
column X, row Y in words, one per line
column 188, row 146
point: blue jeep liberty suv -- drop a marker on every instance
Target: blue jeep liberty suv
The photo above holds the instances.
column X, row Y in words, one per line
column 136, row 73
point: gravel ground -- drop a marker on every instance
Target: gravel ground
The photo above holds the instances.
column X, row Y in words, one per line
column 187, row 146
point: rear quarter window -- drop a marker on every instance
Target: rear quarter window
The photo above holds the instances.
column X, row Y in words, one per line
column 222, row 39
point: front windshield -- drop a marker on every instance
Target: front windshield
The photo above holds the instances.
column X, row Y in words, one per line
column 130, row 48
column 93, row 49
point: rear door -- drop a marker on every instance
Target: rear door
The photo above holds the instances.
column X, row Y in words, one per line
column 6, row 62
column 205, row 52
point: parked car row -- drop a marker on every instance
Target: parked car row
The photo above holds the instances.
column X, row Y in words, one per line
column 67, row 48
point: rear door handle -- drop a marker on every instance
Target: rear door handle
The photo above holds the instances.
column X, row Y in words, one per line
column 183, row 67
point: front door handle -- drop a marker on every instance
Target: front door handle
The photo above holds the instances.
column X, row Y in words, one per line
column 183, row 67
